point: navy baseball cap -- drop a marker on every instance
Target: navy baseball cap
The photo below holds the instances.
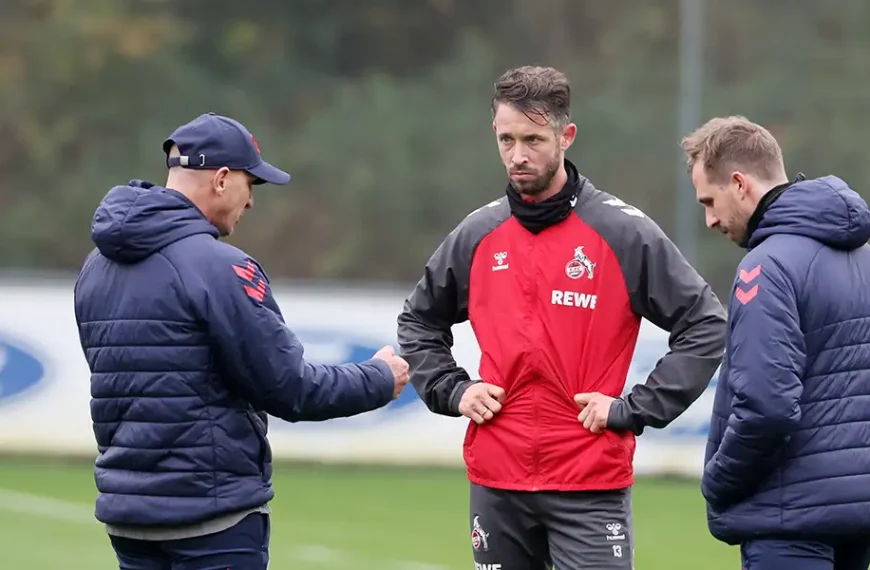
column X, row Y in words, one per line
column 211, row 141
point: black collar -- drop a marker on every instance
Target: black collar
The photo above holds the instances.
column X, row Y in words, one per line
column 538, row 216
column 766, row 201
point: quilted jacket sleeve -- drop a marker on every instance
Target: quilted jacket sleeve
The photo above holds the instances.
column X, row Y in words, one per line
column 766, row 364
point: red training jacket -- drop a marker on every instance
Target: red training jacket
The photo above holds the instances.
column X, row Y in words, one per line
column 556, row 312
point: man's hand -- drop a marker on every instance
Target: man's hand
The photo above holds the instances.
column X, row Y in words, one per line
column 399, row 367
column 594, row 408
column 481, row 402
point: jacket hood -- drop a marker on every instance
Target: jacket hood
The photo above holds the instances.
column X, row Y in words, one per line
column 134, row 221
column 824, row 209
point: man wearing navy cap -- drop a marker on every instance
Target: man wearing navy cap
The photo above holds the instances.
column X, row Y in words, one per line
column 189, row 352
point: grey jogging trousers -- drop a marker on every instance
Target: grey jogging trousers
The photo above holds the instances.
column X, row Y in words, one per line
column 578, row 530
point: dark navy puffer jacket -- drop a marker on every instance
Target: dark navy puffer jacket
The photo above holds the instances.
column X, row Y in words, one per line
column 789, row 446
column 188, row 352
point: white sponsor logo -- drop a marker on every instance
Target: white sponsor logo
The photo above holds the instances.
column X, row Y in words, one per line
column 580, row 265
column 614, row 531
column 479, row 566
column 573, row 299
column 500, row 261
column 625, row 208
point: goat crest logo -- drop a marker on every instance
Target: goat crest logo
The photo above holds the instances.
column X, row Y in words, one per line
column 478, row 535
column 580, row 265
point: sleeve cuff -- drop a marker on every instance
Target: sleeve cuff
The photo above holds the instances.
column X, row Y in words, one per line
column 387, row 385
column 456, row 395
column 619, row 417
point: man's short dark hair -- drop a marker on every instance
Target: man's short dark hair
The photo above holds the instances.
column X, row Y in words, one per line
column 541, row 91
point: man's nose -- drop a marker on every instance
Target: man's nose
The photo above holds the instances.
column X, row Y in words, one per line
column 519, row 156
column 712, row 221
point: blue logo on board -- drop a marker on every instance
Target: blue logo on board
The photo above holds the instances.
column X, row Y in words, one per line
column 20, row 370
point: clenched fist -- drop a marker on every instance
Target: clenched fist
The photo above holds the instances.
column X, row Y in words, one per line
column 481, row 402
column 399, row 367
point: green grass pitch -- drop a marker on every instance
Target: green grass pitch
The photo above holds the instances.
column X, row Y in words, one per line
column 334, row 518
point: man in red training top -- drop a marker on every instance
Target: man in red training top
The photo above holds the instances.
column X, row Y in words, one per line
column 555, row 278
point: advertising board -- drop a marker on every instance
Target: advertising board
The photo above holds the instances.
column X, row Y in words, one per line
column 44, row 384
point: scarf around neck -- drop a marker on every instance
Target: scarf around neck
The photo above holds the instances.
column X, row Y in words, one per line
column 538, row 216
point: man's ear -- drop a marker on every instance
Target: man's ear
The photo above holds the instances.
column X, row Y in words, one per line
column 220, row 179
column 741, row 182
column 569, row 133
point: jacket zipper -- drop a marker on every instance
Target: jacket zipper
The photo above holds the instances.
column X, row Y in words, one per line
column 535, row 436
column 534, row 355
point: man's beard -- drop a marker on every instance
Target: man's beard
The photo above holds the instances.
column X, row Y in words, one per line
column 538, row 185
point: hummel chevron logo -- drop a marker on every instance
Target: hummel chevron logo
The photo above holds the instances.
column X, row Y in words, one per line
column 254, row 284
column 746, row 296
column 625, row 208
column 747, row 276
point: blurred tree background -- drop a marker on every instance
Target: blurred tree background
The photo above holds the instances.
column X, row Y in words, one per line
column 380, row 110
